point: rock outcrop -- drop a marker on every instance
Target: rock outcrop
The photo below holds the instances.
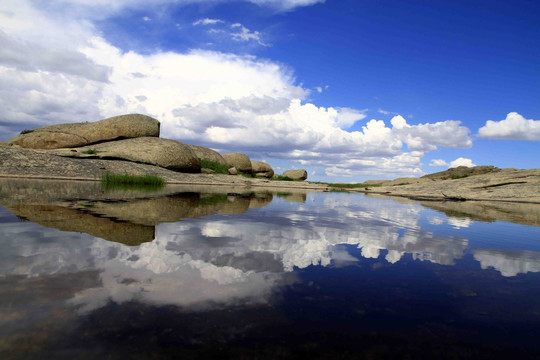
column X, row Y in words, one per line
column 461, row 172
column 169, row 154
column 299, row 174
column 238, row 160
column 262, row 169
column 208, row 154
column 81, row 134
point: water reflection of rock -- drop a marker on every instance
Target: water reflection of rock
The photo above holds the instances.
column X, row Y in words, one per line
column 508, row 263
column 295, row 197
column 128, row 222
column 66, row 219
column 520, row 213
column 230, row 259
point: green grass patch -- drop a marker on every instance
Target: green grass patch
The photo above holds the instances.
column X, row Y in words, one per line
column 26, row 131
column 90, row 151
column 454, row 177
column 401, row 184
column 247, row 175
column 136, row 182
column 215, row 166
column 282, row 178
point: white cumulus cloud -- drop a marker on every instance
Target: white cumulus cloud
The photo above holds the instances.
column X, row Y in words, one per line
column 56, row 71
column 438, row 162
column 458, row 162
column 461, row 162
column 514, row 127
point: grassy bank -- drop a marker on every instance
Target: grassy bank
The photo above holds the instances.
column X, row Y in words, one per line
column 110, row 180
column 215, row 166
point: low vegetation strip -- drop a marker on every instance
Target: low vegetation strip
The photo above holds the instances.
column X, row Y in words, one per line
column 213, row 165
column 137, row 180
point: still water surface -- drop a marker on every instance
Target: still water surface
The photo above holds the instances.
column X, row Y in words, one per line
column 282, row 275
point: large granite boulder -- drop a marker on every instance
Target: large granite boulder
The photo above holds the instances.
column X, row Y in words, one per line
column 299, row 174
column 169, row 154
column 240, row 161
column 262, row 169
column 208, row 154
column 81, row 134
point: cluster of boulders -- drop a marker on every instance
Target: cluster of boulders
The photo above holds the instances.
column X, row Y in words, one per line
column 135, row 137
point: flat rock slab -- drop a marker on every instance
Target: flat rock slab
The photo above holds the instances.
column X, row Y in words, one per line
column 81, row 134
column 168, row 154
column 504, row 185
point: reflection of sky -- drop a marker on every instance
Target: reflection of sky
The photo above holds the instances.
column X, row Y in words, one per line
column 231, row 258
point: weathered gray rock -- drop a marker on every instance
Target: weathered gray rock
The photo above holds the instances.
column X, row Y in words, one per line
column 233, row 171
column 81, row 134
column 240, row 161
column 299, row 174
column 462, row 171
column 262, row 169
column 207, row 154
column 169, row 154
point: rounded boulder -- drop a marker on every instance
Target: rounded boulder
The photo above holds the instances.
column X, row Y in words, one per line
column 299, row 174
column 238, row 160
column 262, row 169
column 208, row 154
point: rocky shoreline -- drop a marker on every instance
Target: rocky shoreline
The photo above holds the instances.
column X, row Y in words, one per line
column 130, row 144
column 22, row 163
column 507, row 185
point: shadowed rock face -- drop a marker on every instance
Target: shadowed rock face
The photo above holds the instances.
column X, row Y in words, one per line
column 299, row 174
column 260, row 168
column 239, row 161
column 168, row 154
column 207, row 154
column 80, row 134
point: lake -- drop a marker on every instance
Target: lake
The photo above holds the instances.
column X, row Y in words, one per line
column 195, row 272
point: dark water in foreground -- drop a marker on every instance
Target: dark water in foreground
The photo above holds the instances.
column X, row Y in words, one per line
column 318, row 275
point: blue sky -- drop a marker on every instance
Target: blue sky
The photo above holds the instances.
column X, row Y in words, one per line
column 349, row 90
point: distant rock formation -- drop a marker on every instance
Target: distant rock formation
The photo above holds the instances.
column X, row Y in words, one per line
column 461, row 172
column 262, row 169
column 81, row 134
column 238, row 160
column 208, row 154
column 299, row 174
column 169, row 154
